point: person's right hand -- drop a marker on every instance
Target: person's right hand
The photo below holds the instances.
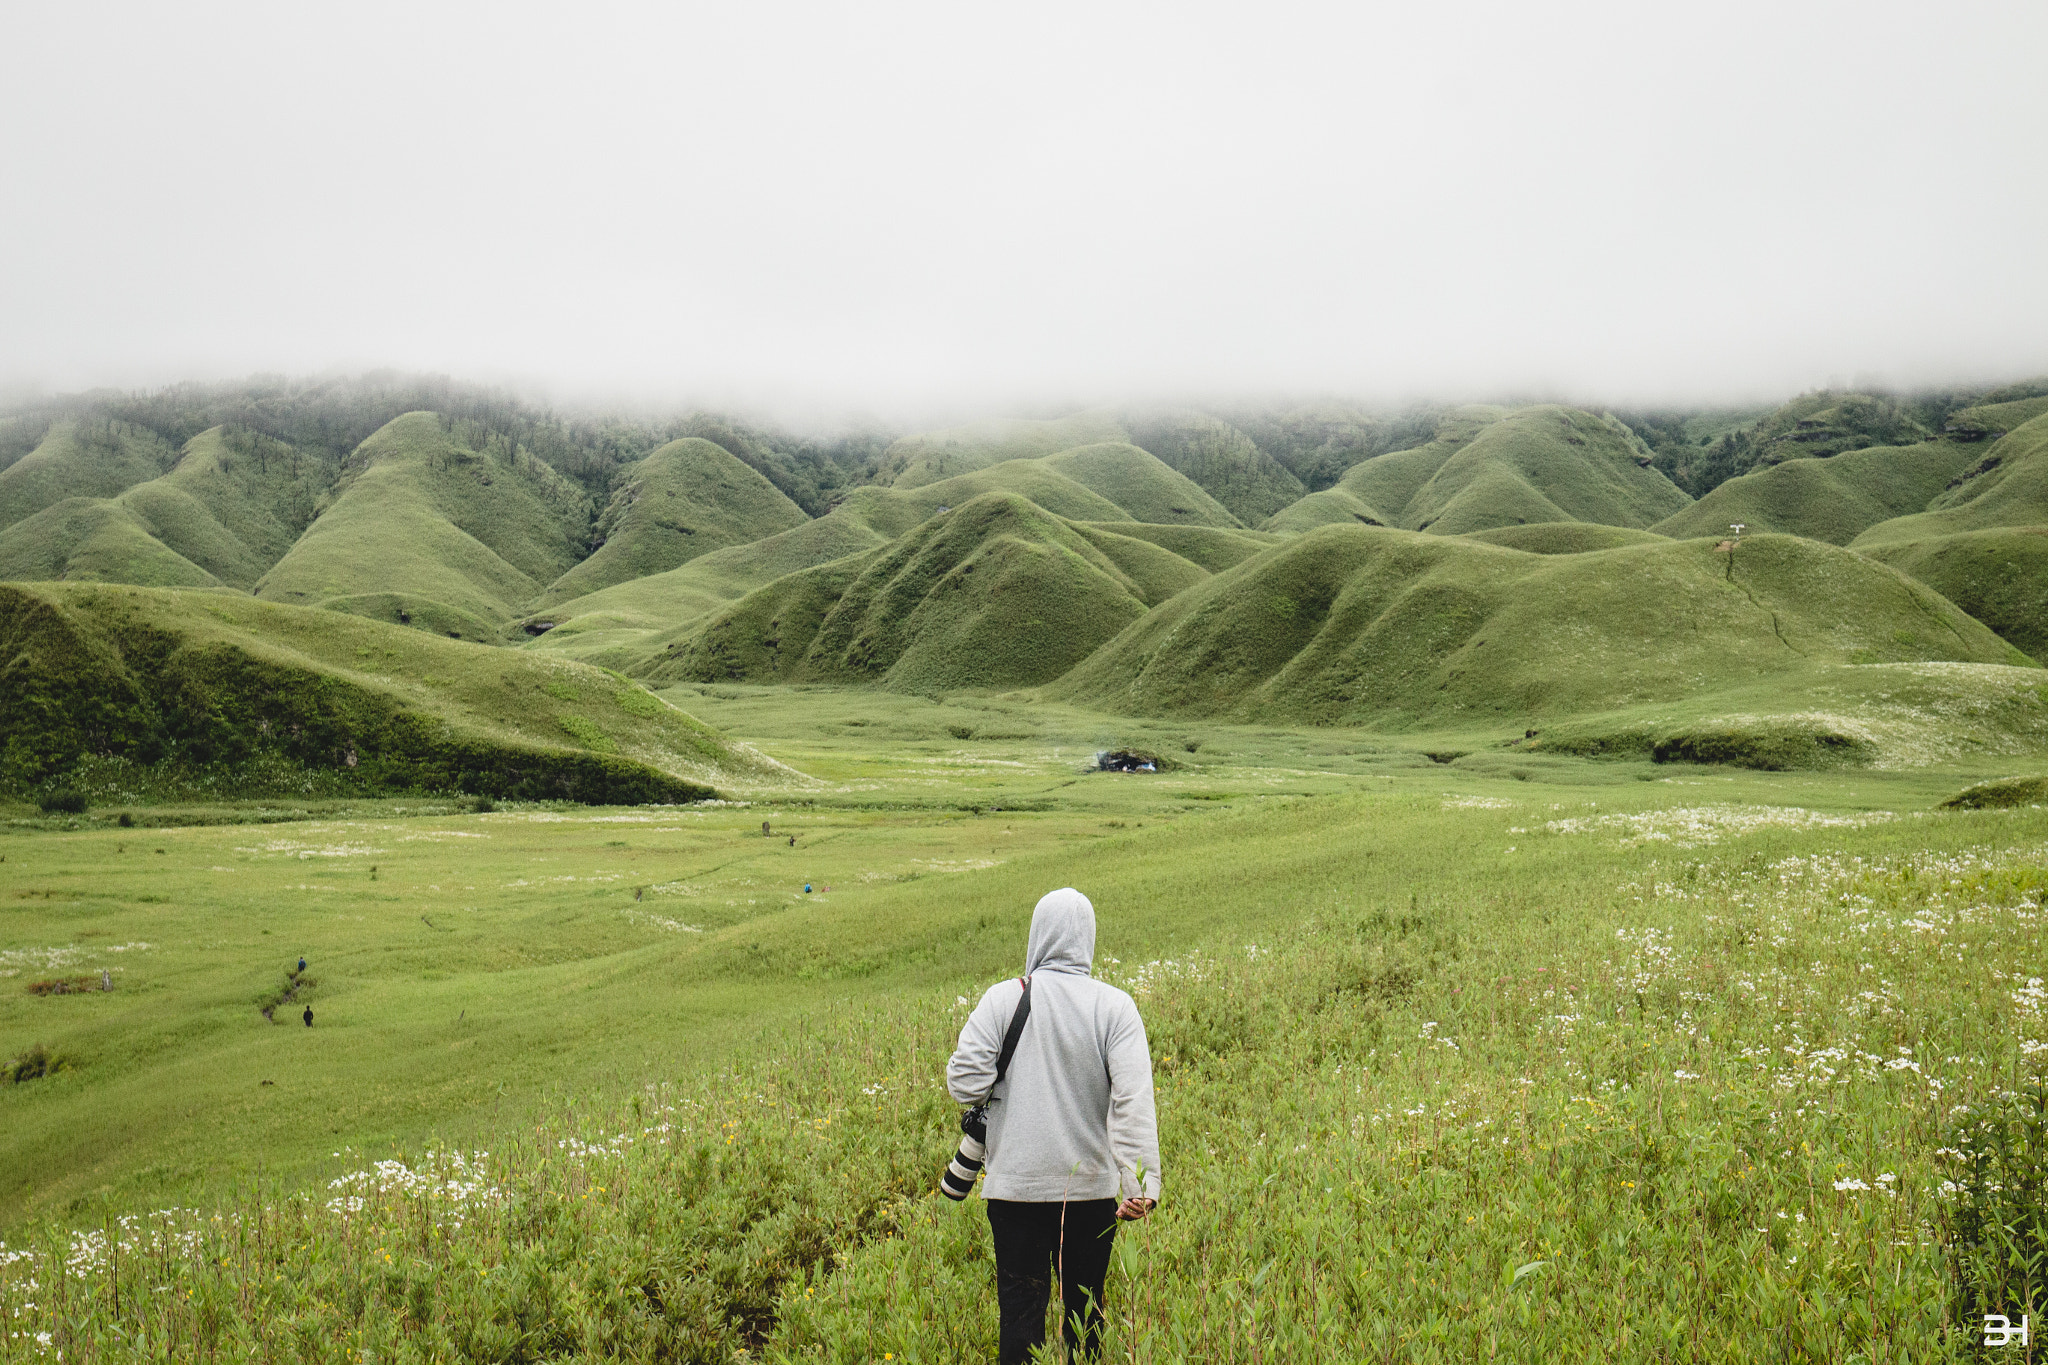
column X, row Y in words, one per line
column 1133, row 1209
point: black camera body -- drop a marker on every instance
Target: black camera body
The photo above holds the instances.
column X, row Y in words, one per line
column 974, row 1122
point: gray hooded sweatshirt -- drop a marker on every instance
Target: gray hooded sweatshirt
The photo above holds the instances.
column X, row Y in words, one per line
column 1073, row 1118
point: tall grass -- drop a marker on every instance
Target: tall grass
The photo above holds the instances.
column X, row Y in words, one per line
column 1706, row 1108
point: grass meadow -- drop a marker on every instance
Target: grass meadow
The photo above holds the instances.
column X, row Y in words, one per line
column 1520, row 1056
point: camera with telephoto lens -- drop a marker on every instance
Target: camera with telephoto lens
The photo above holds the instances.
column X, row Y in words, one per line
column 958, row 1181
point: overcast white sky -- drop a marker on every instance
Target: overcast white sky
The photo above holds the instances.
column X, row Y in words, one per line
column 894, row 203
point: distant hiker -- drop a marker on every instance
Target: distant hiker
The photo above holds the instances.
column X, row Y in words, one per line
column 1070, row 1128
column 309, row 1016
column 792, row 841
column 302, row 966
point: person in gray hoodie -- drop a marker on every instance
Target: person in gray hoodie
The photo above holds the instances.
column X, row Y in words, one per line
column 1073, row 1141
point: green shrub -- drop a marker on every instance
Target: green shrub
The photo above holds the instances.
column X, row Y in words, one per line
column 635, row 701
column 2004, row 791
column 1995, row 1226
column 1768, row 746
column 589, row 734
column 62, row 801
column 33, row 1065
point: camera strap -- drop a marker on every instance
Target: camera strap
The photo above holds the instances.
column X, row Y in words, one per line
column 1010, row 1035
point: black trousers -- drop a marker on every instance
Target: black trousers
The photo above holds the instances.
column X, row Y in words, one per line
column 1029, row 1255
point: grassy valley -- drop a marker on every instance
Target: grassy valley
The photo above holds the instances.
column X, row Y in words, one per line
column 1644, row 1012
column 1565, row 929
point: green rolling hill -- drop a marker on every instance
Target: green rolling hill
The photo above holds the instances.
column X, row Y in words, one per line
column 121, row 689
column 686, row 499
column 1582, row 465
column 650, row 617
column 1487, row 468
column 235, row 503
column 1563, row 537
column 1239, row 481
column 1834, row 499
column 995, row 593
column 21, row 431
column 1212, row 548
column 232, row 507
column 1983, row 542
column 1702, row 449
column 1088, row 448
column 621, row 624
column 1223, row 460
column 1156, row 572
column 1999, row 575
column 1073, row 530
column 931, row 456
column 1376, row 491
column 93, row 539
column 893, row 511
column 1142, row 484
column 2005, row 485
column 1104, row 482
column 1988, row 421
column 439, row 525
column 1319, row 440
column 81, row 458
column 1371, row 626
column 1817, row 425
column 1887, row 716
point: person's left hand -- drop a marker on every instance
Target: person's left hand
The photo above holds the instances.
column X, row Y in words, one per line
column 1133, row 1209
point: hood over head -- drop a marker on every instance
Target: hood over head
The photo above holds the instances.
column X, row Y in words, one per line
column 1062, row 934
